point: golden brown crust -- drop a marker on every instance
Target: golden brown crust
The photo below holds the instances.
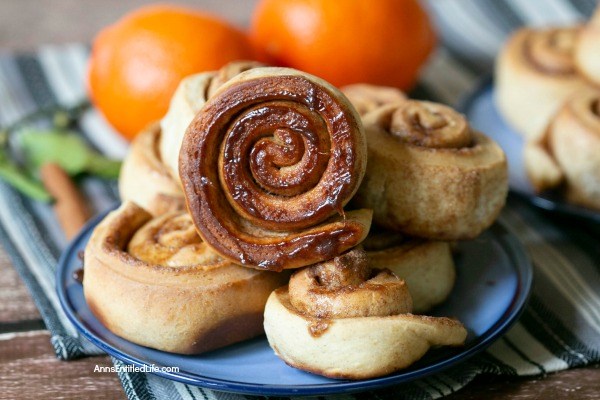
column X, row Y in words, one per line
column 347, row 287
column 144, row 178
column 189, row 98
column 587, row 56
column 229, row 71
column 427, row 266
column 535, row 74
column 267, row 165
column 366, row 98
column 451, row 190
column 574, row 141
column 374, row 336
column 153, row 282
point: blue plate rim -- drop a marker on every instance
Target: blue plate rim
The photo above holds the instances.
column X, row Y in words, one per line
column 544, row 202
column 522, row 268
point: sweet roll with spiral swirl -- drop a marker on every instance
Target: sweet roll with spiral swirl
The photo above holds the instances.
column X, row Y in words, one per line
column 268, row 166
column 344, row 319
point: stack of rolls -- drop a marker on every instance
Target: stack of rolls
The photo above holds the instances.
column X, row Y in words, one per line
column 256, row 171
column 430, row 180
column 547, row 89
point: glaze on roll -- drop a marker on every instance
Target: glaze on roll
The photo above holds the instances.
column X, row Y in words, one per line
column 429, row 174
column 268, row 166
column 190, row 96
column 344, row 319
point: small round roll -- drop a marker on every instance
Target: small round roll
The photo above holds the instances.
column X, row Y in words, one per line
column 154, row 282
column 587, row 52
column 342, row 319
column 429, row 175
column 574, row 140
column 144, row 178
column 366, row 98
column 535, row 74
column 426, row 266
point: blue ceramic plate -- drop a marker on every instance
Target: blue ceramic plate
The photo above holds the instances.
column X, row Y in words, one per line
column 480, row 109
column 493, row 283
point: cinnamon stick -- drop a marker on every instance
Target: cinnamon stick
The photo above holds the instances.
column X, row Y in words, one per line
column 69, row 205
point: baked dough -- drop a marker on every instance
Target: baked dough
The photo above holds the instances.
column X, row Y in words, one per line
column 342, row 319
column 268, row 166
column 190, row 96
column 366, row 98
column 144, row 178
column 426, row 266
column 587, row 52
column 429, row 175
column 574, row 140
column 153, row 282
column 535, row 74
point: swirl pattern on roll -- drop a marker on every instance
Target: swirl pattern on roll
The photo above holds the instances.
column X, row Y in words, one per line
column 347, row 287
column 189, row 98
column 535, row 74
column 429, row 174
column 268, row 166
column 552, row 50
column 344, row 319
column 365, row 97
column 152, row 281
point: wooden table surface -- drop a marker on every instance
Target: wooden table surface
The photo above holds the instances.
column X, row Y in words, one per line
column 28, row 367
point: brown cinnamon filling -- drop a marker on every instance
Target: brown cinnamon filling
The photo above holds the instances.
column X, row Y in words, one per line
column 430, row 125
column 551, row 51
column 270, row 158
column 347, row 287
column 595, row 107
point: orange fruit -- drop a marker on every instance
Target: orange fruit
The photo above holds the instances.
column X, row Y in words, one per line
column 137, row 63
column 381, row 42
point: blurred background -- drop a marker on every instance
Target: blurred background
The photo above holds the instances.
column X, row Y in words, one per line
column 26, row 24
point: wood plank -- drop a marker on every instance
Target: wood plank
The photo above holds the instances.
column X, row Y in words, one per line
column 30, row 370
column 15, row 303
column 62, row 21
column 579, row 383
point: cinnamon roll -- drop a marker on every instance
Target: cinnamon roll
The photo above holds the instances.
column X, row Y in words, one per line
column 144, row 178
column 154, row 282
column 426, row 266
column 587, row 52
column 343, row 319
column 365, row 97
column 574, row 141
column 190, row 96
column 535, row 74
column 268, row 166
column 429, row 175
column 542, row 169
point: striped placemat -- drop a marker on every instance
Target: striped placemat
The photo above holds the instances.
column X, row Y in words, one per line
column 560, row 328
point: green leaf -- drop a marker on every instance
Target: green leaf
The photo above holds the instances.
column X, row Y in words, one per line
column 10, row 173
column 68, row 150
